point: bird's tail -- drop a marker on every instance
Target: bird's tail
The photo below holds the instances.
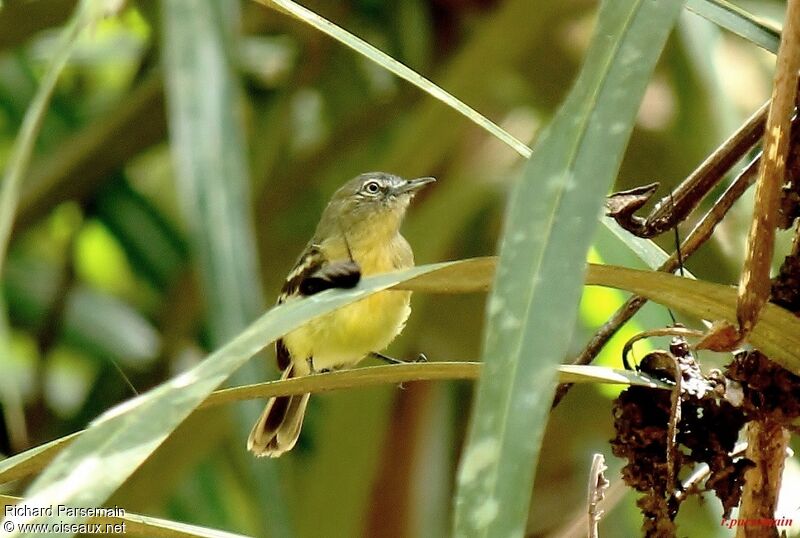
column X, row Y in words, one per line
column 279, row 425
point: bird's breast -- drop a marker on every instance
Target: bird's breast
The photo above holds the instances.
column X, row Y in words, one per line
column 374, row 253
column 347, row 335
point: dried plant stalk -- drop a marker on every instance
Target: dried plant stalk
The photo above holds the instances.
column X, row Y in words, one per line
column 754, row 286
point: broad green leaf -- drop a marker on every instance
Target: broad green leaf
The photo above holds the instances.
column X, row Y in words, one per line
column 550, row 221
column 139, row 525
column 777, row 333
column 208, row 146
column 393, row 66
column 738, row 21
column 115, row 444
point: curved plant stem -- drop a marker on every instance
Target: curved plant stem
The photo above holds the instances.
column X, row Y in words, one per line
column 33, row 460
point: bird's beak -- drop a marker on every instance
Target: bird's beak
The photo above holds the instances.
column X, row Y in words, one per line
column 413, row 185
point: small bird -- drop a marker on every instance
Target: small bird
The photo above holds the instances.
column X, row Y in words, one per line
column 358, row 234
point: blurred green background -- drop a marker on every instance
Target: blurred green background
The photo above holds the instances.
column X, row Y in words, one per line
column 114, row 271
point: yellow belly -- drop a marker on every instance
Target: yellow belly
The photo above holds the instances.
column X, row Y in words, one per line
column 344, row 337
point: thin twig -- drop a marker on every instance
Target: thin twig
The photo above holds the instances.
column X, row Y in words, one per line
column 702, row 472
column 663, row 331
column 676, row 206
column 575, row 525
column 598, row 484
column 672, row 427
column 390, row 64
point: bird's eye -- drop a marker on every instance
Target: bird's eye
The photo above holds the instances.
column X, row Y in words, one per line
column 372, row 187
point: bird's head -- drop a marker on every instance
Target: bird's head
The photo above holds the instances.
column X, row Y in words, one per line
column 374, row 202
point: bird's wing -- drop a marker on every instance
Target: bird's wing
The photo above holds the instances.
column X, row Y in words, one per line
column 308, row 263
column 312, row 274
column 311, row 261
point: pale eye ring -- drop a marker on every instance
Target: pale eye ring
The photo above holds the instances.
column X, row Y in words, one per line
column 372, row 187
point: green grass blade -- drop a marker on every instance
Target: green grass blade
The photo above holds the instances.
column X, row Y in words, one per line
column 115, row 444
column 399, row 69
column 550, row 223
column 738, row 21
column 408, row 373
column 210, row 154
column 86, row 13
column 777, row 332
column 22, row 151
column 647, row 251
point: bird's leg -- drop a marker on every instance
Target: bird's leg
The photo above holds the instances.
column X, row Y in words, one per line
column 392, row 360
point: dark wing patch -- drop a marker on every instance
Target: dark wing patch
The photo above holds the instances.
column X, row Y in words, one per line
column 309, row 262
column 333, row 275
column 313, row 274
